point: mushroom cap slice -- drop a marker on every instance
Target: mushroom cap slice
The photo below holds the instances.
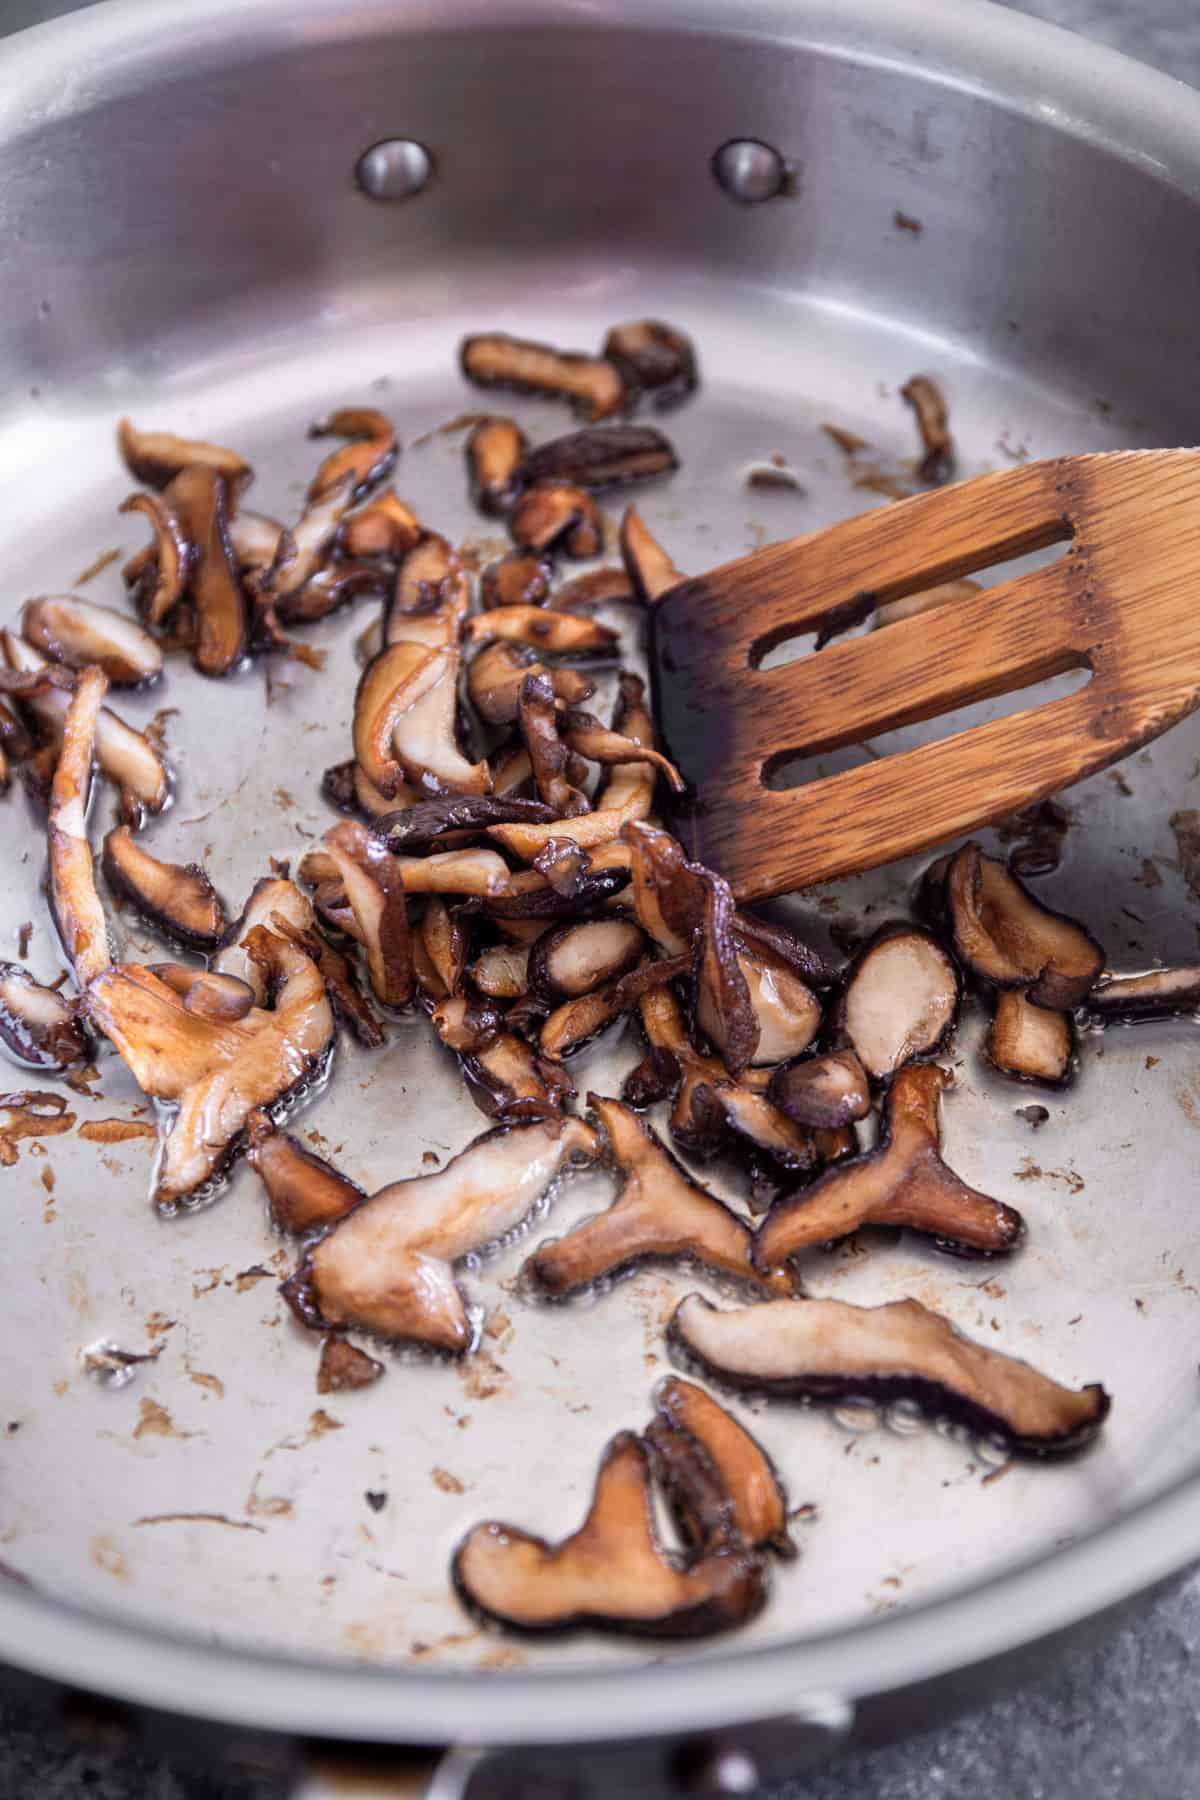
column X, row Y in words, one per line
column 271, row 897
column 602, row 456
column 1010, row 939
column 1029, row 1042
column 303, row 1191
column 156, row 457
column 744, row 1471
column 612, row 1571
column 494, row 451
column 178, row 897
column 198, row 494
column 493, row 359
column 38, row 1027
column 80, row 633
column 900, row 999
column 576, row 958
column 822, row 1092
column 829, row 1349
column 375, row 891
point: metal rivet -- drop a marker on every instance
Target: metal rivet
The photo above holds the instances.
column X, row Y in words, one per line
column 395, row 169
column 716, row 1768
column 750, row 171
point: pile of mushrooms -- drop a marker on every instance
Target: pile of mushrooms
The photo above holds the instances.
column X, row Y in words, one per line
column 499, row 865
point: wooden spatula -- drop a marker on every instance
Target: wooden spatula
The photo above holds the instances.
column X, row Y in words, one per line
column 1123, row 601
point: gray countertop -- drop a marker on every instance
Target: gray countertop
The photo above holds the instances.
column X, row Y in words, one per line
column 1115, row 1721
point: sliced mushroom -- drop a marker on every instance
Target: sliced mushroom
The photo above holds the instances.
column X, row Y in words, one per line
column 204, row 991
column 304, row 1193
column 385, row 526
column 198, row 495
column 536, row 895
column 654, row 356
column 1030, row 1042
column 350, row 1005
column 376, row 894
column 576, row 1022
column 216, row 1074
column 422, row 825
column 307, row 547
column 274, row 902
column 597, row 743
column 612, row 1571
column 337, row 585
column 575, row 959
column 655, row 1078
column 1157, row 993
column 80, row 633
column 73, row 897
column 1010, row 939
column 474, row 873
column 927, row 402
column 389, row 691
column 157, row 457
column 507, row 1077
column 647, row 564
column 538, row 720
column 491, row 359
column 542, row 628
column 344, row 1367
column 688, row 1419
column 900, row 999
column 824, row 1092
column 516, row 579
column 597, row 587
column 502, row 973
column 388, row 1266
column 602, row 456
column 903, row 1182
column 495, row 676
column 178, row 898
column 464, row 1023
column 38, row 1027
column 724, row 1010
column 445, row 942
column 902, row 1351
column 161, row 584
column 364, row 461
column 494, row 452
column 426, row 615
column 557, row 514
column 660, row 1211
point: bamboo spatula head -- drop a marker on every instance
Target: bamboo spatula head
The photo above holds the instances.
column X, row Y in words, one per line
column 1123, row 602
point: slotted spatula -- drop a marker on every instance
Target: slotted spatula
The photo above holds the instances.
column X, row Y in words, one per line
column 1123, row 601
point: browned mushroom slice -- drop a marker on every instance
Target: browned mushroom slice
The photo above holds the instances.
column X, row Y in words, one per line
column 161, row 587
column 762, row 1129
column 495, row 676
column 1157, row 993
column 156, row 457
column 724, row 1010
column 508, row 1079
column 359, row 464
column 557, row 514
column 786, row 1010
column 215, row 1073
column 538, row 720
column 542, row 628
column 900, row 999
column 835, row 1144
column 647, row 564
column 304, row 1193
column 426, row 614
column 516, row 579
column 903, row 1181
column 310, row 543
column 431, row 595
column 389, row 689
column 660, row 1211
column 927, row 402
column 502, row 971
column 256, row 539
column 337, row 787
column 602, row 456
column 80, row 633
column 198, row 495
column 655, row 356
column 336, row 586
column 744, row 1471
column 1008, row 938
column 38, row 1027
column 73, row 897
column 465, row 1023
column 597, row 587
column 179, row 898
column 351, row 1006
column 275, row 902
column 204, row 991
column 474, row 873
column 655, row 1078
column 531, row 897
column 376, row 894
column 494, row 452
column 589, row 738
column 578, row 958
column 576, row 1022
column 422, row 825
column 344, row 1367
column 446, row 942
column 902, row 1351
column 612, row 1571
column 824, row 1092
column 385, row 526
column 1030, row 1042
column 388, row 1266
column 491, row 359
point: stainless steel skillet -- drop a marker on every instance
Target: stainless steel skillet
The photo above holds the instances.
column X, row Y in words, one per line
column 187, row 243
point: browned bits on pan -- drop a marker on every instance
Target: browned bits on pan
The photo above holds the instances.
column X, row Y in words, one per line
column 156, row 457
column 360, row 464
column 594, row 386
column 557, row 514
column 517, row 579
column 654, row 356
column 927, row 402
column 178, row 898
column 494, row 451
column 602, row 456
column 344, row 1367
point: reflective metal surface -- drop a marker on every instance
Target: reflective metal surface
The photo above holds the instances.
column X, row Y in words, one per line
column 187, row 245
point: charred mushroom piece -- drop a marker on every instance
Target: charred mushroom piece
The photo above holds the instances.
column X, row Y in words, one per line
column 542, row 629
column 344, row 1367
column 494, row 452
column 602, row 456
column 689, row 1418
column 900, row 1000
column 351, row 1006
column 304, row 1193
column 903, row 1181
column 901, row 1351
column 360, row 464
column 1030, row 1042
column 927, row 402
column 507, row 1078
column 81, row 634
column 502, row 973
column 612, row 1571
column 1158, row 993
column 492, row 359
column 578, row 958
column 557, row 514
column 649, row 568
column 376, row 894
column 654, row 356
column 73, row 897
column 160, row 586
column 204, row 991
column 660, row 1211
column 824, row 1092
column 421, row 826
column 388, row 1266
column 178, row 898
column 538, row 720
column 157, row 457
column 597, row 743
column 516, row 579
column 198, row 495
column 385, row 526
column 38, row 1027
column 215, row 1073
column 1010, row 939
